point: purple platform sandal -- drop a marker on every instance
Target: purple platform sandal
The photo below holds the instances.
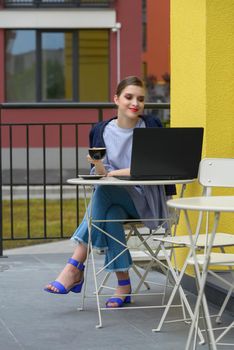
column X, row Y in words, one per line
column 119, row 301
column 75, row 288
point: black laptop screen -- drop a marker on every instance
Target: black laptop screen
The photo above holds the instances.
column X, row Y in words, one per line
column 166, row 153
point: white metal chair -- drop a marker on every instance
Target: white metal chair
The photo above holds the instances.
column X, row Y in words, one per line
column 142, row 247
column 147, row 251
column 213, row 172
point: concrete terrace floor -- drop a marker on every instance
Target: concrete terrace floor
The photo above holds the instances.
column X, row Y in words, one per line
column 31, row 319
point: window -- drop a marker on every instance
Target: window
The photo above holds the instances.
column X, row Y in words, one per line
column 57, row 65
column 20, row 65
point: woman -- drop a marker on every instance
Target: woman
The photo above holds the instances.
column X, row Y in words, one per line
column 114, row 202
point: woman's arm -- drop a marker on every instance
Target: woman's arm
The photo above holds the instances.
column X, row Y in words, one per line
column 119, row 172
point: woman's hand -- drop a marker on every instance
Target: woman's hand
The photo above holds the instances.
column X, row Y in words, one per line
column 93, row 161
column 99, row 167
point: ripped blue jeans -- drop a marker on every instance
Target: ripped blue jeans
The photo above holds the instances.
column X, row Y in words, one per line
column 109, row 203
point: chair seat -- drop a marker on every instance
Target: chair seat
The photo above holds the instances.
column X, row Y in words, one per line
column 141, row 255
column 215, row 259
column 221, row 239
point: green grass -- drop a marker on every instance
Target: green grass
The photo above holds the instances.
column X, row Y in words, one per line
column 36, row 207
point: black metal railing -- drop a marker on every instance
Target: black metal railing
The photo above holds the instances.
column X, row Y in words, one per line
column 30, row 177
column 58, row 3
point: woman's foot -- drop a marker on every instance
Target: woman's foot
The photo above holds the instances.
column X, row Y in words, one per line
column 122, row 294
column 69, row 277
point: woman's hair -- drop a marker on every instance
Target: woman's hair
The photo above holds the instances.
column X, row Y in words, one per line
column 131, row 80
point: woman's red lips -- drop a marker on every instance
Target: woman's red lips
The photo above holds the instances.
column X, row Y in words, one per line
column 134, row 109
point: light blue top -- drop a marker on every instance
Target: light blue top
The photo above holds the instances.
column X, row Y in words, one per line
column 148, row 200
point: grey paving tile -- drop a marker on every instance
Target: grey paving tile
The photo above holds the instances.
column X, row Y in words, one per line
column 31, row 319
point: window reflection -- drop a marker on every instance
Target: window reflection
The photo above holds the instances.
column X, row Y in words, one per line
column 20, row 65
column 56, row 66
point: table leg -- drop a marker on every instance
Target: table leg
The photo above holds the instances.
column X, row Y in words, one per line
column 91, row 254
column 178, row 278
column 201, row 282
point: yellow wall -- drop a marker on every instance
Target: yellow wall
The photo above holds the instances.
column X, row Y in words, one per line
column 202, row 80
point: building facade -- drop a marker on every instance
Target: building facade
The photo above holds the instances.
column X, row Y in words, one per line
column 73, row 51
column 64, row 51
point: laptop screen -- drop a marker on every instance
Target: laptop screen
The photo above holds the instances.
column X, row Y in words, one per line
column 166, row 153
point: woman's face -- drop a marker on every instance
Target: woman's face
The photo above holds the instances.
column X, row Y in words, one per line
column 130, row 102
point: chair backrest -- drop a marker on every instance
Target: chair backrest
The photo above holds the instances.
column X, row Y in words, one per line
column 216, row 172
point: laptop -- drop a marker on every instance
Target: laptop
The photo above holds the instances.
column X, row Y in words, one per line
column 165, row 153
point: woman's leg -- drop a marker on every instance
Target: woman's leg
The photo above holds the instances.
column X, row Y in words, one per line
column 103, row 198
column 117, row 257
column 122, row 264
column 70, row 274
